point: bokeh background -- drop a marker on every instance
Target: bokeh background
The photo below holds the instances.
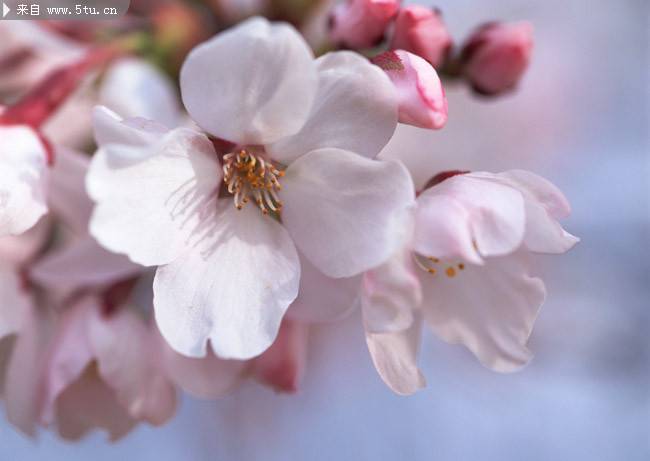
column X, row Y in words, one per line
column 580, row 118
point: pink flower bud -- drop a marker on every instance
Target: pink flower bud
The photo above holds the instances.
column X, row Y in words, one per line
column 496, row 56
column 421, row 31
column 421, row 97
column 361, row 23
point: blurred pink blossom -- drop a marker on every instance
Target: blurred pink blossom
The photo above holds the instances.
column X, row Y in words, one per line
column 421, row 31
column 361, row 23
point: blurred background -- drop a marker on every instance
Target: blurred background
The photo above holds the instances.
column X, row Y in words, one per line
column 580, row 118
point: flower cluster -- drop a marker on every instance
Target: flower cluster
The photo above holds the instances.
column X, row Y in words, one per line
column 202, row 237
column 492, row 59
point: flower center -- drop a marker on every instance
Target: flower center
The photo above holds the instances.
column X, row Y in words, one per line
column 433, row 265
column 249, row 176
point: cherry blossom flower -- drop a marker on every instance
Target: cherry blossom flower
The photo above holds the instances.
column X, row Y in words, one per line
column 361, row 23
column 422, row 100
column 474, row 235
column 496, row 56
column 303, row 135
column 421, row 31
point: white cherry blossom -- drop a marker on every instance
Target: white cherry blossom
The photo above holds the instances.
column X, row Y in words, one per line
column 474, row 235
column 227, row 229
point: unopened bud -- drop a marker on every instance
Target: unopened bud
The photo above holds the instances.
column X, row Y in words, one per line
column 496, row 56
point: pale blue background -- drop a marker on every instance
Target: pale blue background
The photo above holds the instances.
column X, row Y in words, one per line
column 581, row 119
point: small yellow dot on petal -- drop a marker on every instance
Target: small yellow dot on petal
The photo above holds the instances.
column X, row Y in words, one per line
column 451, row 272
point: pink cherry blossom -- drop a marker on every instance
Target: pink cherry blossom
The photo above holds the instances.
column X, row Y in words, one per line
column 474, row 235
column 361, row 23
column 421, row 31
column 229, row 269
column 421, row 97
column 496, row 56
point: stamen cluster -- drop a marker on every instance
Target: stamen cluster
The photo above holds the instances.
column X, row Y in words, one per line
column 247, row 175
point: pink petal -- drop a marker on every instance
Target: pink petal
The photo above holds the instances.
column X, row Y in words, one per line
column 420, row 94
column 489, row 309
column 395, row 357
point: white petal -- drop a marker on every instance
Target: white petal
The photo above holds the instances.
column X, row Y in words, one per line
column 391, row 294
column 489, row 309
column 233, row 288
column 443, row 228
column 495, row 212
column 355, row 109
column 545, row 204
column 346, row 212
column 395, row 358
column 151, row 207
column 22, row 179
column 135, row 88
column 253, row 84
column 322, row 298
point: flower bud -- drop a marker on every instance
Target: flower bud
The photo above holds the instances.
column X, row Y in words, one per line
column 421, row 97
column 496, row 56
column 361, row 23
column 420, row 30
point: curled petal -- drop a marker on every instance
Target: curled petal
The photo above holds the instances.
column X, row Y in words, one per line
column 545, row 205
column 472, row 211
column 421, row 97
